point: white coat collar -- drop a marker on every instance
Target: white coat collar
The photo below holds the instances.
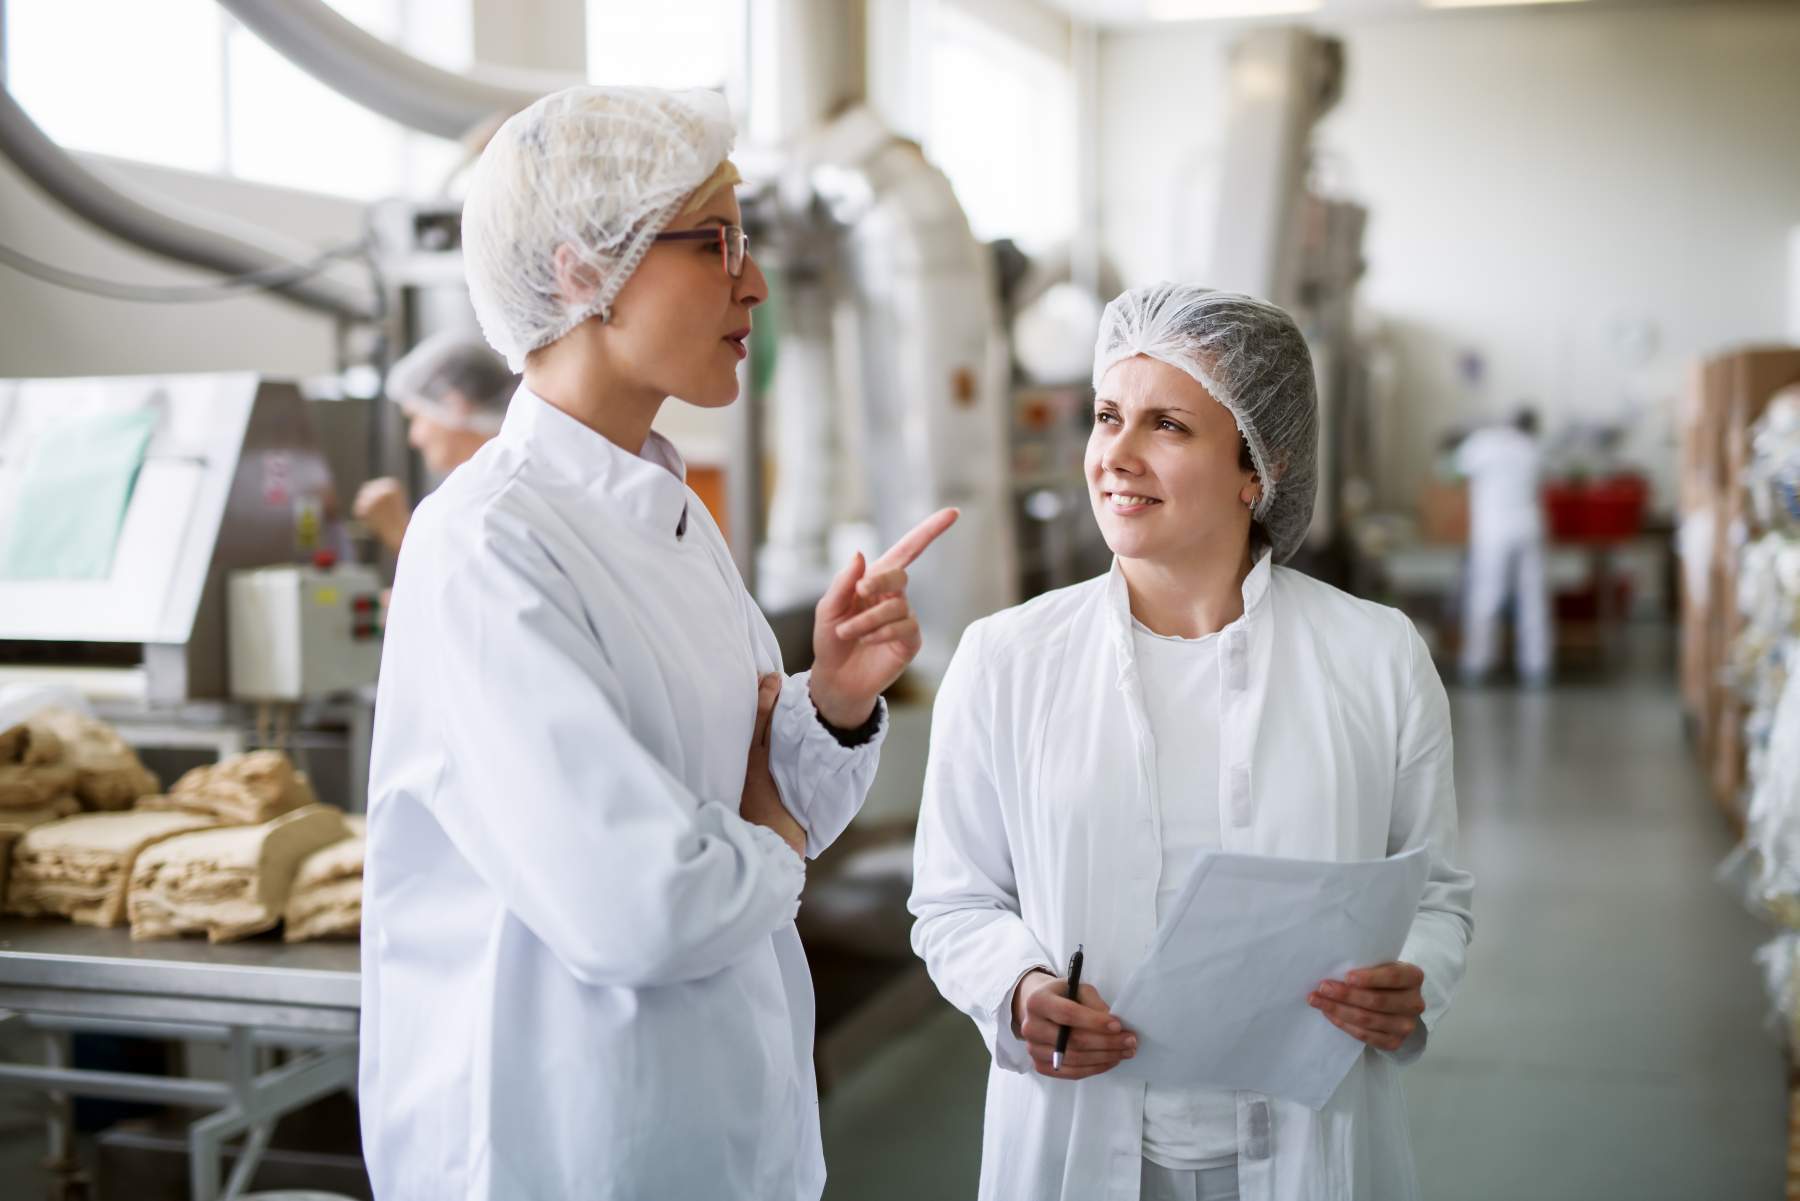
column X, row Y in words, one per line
column 1118, row 609
column 649, row 487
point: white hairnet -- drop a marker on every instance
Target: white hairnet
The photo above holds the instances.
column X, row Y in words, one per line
column 1250, row 356
column 425, row 376
column 598, row 170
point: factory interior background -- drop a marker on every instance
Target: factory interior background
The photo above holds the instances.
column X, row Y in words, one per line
column 223, row 222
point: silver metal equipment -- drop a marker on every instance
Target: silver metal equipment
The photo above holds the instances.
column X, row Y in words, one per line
column 889, row 398
column 57, row 978
column 232, row 478
column 1278, row 237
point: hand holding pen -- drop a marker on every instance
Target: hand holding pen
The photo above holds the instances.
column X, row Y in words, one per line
column 1044, row 1012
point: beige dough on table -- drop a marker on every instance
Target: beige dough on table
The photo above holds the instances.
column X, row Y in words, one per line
column 15, row 822
column 244, row 789
column 108, row 773
column 32, row 786
column 80, row 867
column 227, row 883
column 326, row 900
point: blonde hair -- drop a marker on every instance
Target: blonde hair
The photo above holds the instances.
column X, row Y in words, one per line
column 725, row 175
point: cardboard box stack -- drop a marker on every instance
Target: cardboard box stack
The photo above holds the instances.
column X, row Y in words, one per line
column 1727, row 394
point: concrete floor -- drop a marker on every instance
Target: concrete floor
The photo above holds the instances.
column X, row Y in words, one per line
column 1608, row 1041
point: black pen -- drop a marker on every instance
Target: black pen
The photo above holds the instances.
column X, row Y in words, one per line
column 1062, row 1032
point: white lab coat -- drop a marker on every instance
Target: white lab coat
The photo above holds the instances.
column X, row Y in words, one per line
column 581, row 976
column 1040, row 831
column 1506, row 549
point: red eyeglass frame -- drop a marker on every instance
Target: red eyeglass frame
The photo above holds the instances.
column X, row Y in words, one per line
column 723, row 235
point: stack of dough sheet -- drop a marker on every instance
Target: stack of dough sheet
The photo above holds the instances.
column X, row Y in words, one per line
column 32, row 774
column 228, row 883
column 108, row 774
column 15, row 822
column 326, row 900
column 80, row 867
column 242, row 790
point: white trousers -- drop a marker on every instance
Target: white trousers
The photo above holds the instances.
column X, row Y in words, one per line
column 1173, row 1184
column 1500, row 567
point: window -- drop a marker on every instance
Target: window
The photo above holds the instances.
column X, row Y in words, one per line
column 181, row 84
column 134, row 80
column 1000, row 123
column 669, row 44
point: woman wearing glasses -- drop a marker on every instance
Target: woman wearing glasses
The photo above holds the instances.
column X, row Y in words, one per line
column 593, row 790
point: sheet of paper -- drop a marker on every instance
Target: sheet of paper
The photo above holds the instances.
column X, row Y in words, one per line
column 1220, row 1001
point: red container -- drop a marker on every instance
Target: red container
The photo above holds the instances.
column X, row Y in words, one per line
column 1608, row 510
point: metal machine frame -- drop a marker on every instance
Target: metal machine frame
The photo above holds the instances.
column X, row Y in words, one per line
column 56, row 979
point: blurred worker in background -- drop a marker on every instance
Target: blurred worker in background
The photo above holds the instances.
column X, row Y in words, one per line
column 453, row 389
column 1503, row 465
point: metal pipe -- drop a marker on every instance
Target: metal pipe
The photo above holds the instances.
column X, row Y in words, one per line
column 363, row 68
column 201, row 240
column 186, row 1031
column 123, row 1086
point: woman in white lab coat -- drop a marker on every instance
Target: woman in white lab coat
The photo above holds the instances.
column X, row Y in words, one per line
column 587, row 817
column 1087, row 746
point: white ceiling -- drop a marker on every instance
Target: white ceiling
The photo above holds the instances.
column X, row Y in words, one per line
column 1143, row 12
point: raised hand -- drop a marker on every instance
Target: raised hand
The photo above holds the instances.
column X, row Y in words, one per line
column 864, row 631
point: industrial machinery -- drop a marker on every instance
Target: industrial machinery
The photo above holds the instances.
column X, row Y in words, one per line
column 1277, row 236
column 304, row 633
column 228, row 475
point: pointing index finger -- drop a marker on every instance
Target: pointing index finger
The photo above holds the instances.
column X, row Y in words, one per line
column 913, row 544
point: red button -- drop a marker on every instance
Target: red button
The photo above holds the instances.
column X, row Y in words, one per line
column 324, row 559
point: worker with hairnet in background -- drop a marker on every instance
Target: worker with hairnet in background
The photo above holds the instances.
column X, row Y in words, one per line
column 453, row 389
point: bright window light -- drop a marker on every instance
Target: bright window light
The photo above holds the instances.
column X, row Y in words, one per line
column 669, row 44
column 1491, row 3
column 121, row 77
column 1000, row 123
column 180, row 84
column 1218, row 10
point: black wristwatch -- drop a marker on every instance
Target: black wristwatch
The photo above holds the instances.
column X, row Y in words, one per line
column 857, row 736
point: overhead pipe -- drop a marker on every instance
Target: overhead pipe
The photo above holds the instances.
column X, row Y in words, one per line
column 363, row 68
column 196, row 238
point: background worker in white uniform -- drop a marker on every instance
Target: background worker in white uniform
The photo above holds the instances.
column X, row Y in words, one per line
column 1087, row 746
column 453, row 389
column 1506, row 549
column 593, row 789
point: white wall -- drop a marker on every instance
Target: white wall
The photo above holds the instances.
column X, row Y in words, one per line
column 1544, row 184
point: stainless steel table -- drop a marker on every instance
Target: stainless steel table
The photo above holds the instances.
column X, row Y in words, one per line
column 58, row 978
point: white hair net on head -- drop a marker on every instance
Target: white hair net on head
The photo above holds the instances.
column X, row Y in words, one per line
column 1250, row 356
column 425, row 377
column 600, row 171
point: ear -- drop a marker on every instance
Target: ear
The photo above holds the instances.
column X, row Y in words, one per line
column 1251, row 493
column 576, row 279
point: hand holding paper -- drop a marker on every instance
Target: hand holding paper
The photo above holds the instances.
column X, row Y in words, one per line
column 1378, row 1005
column 1222, row 999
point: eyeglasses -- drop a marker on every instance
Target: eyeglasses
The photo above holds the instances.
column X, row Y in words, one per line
column 734, row 244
